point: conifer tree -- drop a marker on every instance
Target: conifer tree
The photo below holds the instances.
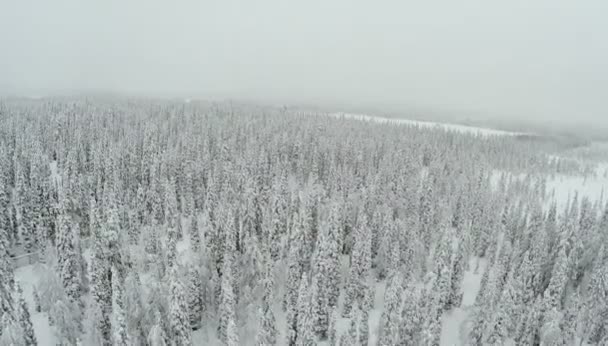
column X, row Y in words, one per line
column 195, row 235
column 332, row 336
column 391, row 314
column 363, row 320
column 267, row 333
column 360, row 265
column 411, row 316
column 228, row 303
column 326, row 270
column 25, row 320
column 178, row 313
column 69, row 268
column 195, row 298
column 119, row 323
column 350, row 337
column 305, row 334
column 157, row 335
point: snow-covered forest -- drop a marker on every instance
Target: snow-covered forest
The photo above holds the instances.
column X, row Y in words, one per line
column 157, row 222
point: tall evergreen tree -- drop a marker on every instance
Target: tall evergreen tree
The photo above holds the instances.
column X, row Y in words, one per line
column 360, row 265
column 119, row 323
column 391, row 314
column 267, row 333
column 195, row 298
column 326, row 271
column 179, row 322
column 25, row 320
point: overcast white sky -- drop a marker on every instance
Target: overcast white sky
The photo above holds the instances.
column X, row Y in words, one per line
column 541, row 59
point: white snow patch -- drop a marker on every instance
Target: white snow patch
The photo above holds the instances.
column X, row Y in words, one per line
column 453, row 322
column 564, row 187
column 428, row 124
column 28, row 277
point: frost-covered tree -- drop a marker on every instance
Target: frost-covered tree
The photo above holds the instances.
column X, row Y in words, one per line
column 157, row 335
column 326, row 271
column 179, row 322
column 25, row 320
column 267, row 332
column 351, row 337
column 68, row 265
column 363, row 320
column 360, row 264
column 333, row 328
column 227, row 303
column 119, row 323
column 411, row 316
column 195, row 235
column 135, row 312
column 391, row 314
column 195, row 298
column 305, row 334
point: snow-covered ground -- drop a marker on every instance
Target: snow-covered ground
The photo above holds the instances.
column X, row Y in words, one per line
column 28, row 278
column 428, row 124
column 564, row 187
column 453, row 322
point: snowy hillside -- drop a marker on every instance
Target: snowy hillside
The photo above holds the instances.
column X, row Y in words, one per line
column 189, row 223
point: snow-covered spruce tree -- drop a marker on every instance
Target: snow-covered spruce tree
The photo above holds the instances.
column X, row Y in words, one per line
column 333, row 331
column 554, row 294
column 391, row 314
column 12, row 333
column 66, row 319
column 25, row 320
column 351, row 337
column 528, row 331
column 383, row 240
column 133, row 302
column 232, row 334
column 195, row 235
column 180, row 330
column 267, row 332
column 458, row 268
column 119, row 323
column 92, row 333
column 36, row 299
column 157, row 335
column 68, row 266
column 431, row 324
column 305, row 334
column 10, row 329
column 426, row 211
column 7, row 303
column 569, row 325
column 326, row 269
column 411, row 316
column 195, row 298
column 597, row 299
column 294, row 275
column 363, row 320
column 105, row 255
column 227, row 302
column 443, row 268
column 5, row 219
column 360, row 265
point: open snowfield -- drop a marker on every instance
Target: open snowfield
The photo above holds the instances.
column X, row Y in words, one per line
column 426, row 124
column 28, row 277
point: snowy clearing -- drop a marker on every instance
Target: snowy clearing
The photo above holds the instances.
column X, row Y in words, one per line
column 426, row 124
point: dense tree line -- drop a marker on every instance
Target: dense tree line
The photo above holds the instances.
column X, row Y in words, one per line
column 159, row 220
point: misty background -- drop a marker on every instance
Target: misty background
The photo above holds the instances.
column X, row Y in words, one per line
column 539, row 62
